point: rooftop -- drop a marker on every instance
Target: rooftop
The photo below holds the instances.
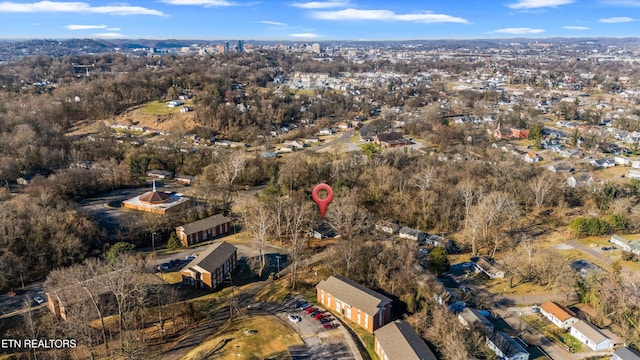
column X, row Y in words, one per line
column 401, row 342
column 212, row 258
column 354, row 294
column 590, row 331
column 557, row 311
column 204, row 224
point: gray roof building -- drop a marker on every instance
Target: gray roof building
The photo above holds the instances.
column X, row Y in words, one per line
column 625, row 353
column 213, row 257
column 399, row 341
column 355, row 294
column 204, row 224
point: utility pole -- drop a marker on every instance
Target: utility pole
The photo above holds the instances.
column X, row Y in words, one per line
column 21, row 280
column 278, row 259
column 153, row 241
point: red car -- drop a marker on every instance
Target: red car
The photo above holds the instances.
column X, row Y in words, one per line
column 319, row 316
column 329, row 325
column 309, row 310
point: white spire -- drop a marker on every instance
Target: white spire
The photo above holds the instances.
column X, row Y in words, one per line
column 154, row 185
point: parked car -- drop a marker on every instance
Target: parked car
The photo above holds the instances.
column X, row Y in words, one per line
column 319, row 316
column 38, row 299
column 305, row 306
column 325, row 319
column 296, row 304
column 309, row 310
column 191, row 257
column 164, row 267
column 329, row 325
column 314, row 313
column 175, row 262
column 295, row 318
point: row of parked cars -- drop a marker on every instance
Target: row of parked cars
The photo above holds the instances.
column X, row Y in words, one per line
column 316, row 313
column 176, row 262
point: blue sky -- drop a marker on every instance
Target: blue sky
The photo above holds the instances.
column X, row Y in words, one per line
column 317, row 20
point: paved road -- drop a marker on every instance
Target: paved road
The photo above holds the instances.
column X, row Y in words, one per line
column 595, row 252
column 14, row 305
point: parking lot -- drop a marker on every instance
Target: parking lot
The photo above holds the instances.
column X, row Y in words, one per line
column 330, row 341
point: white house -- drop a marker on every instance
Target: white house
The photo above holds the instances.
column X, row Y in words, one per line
column 531, row 157
column 506, row 348
column 635, row 164
column 626, row 245
column 625, row 353
column 557, row 315
column 412, row 234
column 327, row 131
column 633, row 174
column 469, row 316
column 590, row 335
column 622, row 161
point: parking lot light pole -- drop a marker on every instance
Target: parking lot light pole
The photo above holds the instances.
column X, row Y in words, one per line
column 278, row 259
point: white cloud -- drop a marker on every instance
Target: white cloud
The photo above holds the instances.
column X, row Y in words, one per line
column 305, row 36
column 615, row 20
column 570, row 27
column 355, row 14
column 75, row 7
column 321, row 4
column 517, row 31
column 85, row 27
column 109, row 35
column 630, row 3
column 113, row 29
column 275, row 23
column 205, row 3
column 534, row 4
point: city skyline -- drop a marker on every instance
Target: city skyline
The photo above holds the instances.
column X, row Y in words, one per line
column 316, row 21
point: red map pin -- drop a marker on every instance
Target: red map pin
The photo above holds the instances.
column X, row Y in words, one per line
column 322, row 203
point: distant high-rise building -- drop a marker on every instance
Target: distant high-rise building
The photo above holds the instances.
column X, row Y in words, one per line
column 226, row 47
column 240, row 47
column 315, row 48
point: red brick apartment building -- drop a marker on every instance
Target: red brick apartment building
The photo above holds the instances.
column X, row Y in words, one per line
column 354, row 302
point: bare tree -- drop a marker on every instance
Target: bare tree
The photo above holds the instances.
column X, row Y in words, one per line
column 297, row 213
column 345, row 216
column 541, row 186
column 258, row 221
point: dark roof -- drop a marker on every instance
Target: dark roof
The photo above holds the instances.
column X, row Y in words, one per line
column 506, row 344
column 390, row 136
column 212, row 258
column 154, row 197
column 204, row 224
column 626, row 353
column 354, row 294
column 401, row 342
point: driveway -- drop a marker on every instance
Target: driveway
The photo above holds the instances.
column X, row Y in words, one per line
column 595, row 252
column 14, row 305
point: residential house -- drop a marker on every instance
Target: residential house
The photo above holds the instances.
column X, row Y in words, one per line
column 506, row 348
column 584, row 179
column 174, row 103
column 354, row 302
column 185, row 179
column 436, row 240
column 391, row 139
column 399, row 341
column 558, row 315
column 204, row 229
column 531, row 157
column 626, row 245
column 590, row 335
column 412, row 234
column 387, row 226
column 633, row 174
column 622, row 161
column 603, row 163
column 296, row 145
column 519, row 133
column 327, row 131
column 635, row 164
column 483, row 264
column 160, row 174
column 625, row 353
column 211, row 267
column 470, row 316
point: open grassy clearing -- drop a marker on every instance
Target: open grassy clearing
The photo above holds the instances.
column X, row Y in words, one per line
column 160, row 108
column 256, row 337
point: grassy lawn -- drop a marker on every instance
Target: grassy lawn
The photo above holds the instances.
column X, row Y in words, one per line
column 500, row 286
column 160, row 108
column 366, row 339
column 277, row 291
column 171, row 277
column 269, row 338
column 554, row 333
